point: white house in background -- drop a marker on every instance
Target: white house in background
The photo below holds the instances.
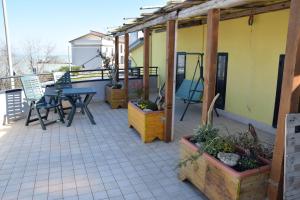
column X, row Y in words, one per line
column 86, row 50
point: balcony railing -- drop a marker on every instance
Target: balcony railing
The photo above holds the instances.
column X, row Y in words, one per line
column 78, row 76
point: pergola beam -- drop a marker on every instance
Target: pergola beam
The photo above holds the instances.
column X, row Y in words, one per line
column 170, row 54
column 117, row 57
column 289, row 100
column 159, row 20
column 126, row 66
column 193, row 11
column 213, row 19
column 232, row 15
column 146, row 64
column 203, row 8
column 120, row 33
column 256, row 11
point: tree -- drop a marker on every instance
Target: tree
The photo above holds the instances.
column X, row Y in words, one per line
column 38, row 54
column 4, row 68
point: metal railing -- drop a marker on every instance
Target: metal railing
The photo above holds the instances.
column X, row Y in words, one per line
column 14, row 82
column 104, row 74
column 78, row 76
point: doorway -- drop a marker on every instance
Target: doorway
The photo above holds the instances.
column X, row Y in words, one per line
column 278, row 90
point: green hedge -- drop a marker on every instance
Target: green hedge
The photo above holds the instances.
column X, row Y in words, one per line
column 67, row 68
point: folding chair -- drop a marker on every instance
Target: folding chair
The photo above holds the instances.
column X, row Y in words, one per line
column 37, row 101
column 62, row 79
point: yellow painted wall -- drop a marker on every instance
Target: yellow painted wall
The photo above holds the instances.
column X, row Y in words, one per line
column 253, row 63
column 253, row 60
column 191, row 43
column 136, row 57
column 159, row 54
column 191, row 40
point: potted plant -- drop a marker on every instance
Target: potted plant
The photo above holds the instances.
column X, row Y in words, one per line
column 114, row 91
column 232, row 167
column 115, row 96
column 147, row 118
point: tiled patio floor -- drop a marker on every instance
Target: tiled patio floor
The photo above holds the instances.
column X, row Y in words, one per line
column 105, row 161
column 226, row 126
column 84, row 161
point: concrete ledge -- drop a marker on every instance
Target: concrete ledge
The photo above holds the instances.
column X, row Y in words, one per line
column 262, row 126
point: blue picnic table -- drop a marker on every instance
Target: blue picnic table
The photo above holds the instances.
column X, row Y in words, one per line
column 74, row 96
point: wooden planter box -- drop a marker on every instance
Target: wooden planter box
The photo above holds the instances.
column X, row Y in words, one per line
column 115, row 97
column 148, row 124
column 218, row 181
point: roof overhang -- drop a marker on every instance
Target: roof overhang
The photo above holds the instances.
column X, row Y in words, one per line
column 196, row 10
column 94, row 33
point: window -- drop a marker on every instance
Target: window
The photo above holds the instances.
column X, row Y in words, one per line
column 122, row 59
column 222, row 62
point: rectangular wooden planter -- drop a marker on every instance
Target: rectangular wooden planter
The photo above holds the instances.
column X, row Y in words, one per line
column 218, row 181
column 115, row 97
column 149, row 125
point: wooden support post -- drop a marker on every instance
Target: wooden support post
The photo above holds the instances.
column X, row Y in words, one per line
column 117, row 56
column 170, row 54
column 213, row 19
column 126, row 63
column 289, row 100
column 146, row 64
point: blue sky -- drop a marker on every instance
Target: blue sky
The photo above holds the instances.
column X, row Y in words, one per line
column 58, row 21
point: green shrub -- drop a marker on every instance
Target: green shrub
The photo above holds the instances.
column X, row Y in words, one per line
column 204, row 133
column 244, row 144
column 218, row 144
column 210, row 141
column 67, row 68
column 147, row 105
column 246, row 163
column 247, row 142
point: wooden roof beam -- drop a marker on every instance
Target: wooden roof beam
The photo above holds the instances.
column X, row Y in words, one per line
column 146, row 14
column 234, row 14
column 256, row 11
column 159, row 20
column 193, row 11
column 130, row 18
column 150, row 7
column 220, row 4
